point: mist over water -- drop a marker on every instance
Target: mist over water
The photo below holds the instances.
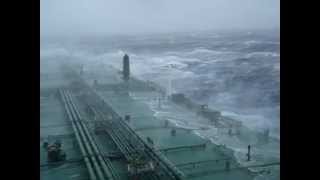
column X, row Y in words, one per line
column 112, row 17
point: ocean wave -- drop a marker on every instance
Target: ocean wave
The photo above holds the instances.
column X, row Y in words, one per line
column 260, row 154
column 198, row 52
column 262, row 54
column 251, row 42
column 253, row 121
column 207, row 52
column 255, row 42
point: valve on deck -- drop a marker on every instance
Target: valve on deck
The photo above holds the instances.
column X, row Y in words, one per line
column 54, row 151
column 166, row 123
column 227, row 166
column 45, row 144
column 173, row 132
column 58, row 143
column 138, row 167
column 127, row 118
column 150, row 141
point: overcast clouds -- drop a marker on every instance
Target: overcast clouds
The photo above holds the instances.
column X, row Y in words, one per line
column 65, row 17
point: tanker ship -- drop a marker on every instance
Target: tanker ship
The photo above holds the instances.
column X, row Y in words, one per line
column 102, row 123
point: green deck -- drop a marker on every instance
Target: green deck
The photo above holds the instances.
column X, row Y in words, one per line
column 143, row 108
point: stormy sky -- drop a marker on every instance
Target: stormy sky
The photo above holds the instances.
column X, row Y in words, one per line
column 92, row 17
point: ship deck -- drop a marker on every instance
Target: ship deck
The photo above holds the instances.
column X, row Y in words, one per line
column 196, row 157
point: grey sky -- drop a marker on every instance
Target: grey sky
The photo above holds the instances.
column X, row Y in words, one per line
column 67, row 17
